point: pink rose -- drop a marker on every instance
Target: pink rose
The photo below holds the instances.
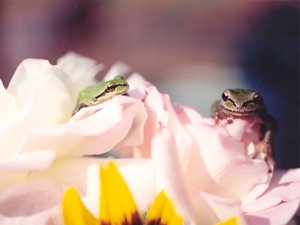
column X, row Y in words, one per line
column 216, row 165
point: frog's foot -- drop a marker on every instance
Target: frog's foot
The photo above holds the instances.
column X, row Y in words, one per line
column 229, row 119
column 215, row 116
column 263, row 150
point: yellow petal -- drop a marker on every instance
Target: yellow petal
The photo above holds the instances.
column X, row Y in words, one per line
column 74, row 211
column 163, row 212
column 117, row 205
column 231, row 221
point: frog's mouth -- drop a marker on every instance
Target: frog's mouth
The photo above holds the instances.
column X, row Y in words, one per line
column 239, row 113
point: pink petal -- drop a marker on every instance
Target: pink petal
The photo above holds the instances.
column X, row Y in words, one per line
column 156, row 115
column 137, row 86
column 162, row 113
column 188, row 115
column 221, row 163
column 237, row 128
column 285, row 176
column 277, row 215
column 30, row 198
column 210, row 209
column 135, row 135
column 50, row 217
column 284, row 187
column 169, row 171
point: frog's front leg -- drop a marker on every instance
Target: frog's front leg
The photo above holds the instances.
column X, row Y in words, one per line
column 263, row 150
column 218, row 114
column 264, row 147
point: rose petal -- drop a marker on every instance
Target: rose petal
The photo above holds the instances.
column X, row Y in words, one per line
column 285, row 176
column 30, row 116
column 210, row 209
column 282, row 189
column 30, row 197
column 9, row 105
column 224, row 163
column 28, row 161
column 80, row 73
column 37, row 197
column 95, row 134
column 81, row 70
column 119, row 68
column 137, row 86
column 135, row 135
column 50, row 217
column 169, row 171
column 237, row 128
column 278, row 215
column 188, row 115
column 162, row 113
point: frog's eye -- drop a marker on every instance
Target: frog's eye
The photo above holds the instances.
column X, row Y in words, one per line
column 111, row 88
column 258, row 100
column 224, row 97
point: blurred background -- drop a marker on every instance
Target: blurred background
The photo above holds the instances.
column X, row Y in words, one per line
column 191, row 49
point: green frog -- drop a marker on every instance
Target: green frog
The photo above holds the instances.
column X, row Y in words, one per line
column 101, row 92
column 248, row 104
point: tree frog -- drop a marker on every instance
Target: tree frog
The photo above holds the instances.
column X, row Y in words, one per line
column 246, row 104
column 101, row 92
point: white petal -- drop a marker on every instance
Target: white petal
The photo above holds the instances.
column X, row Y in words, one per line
column 119, row 68
column 9, row 105
column 28, row 161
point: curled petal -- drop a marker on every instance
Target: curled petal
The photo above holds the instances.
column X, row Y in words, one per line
column 137, row 86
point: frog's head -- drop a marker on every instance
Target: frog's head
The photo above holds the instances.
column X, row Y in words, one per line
column 101, row 92
column 241, row 101
column 111, row 88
